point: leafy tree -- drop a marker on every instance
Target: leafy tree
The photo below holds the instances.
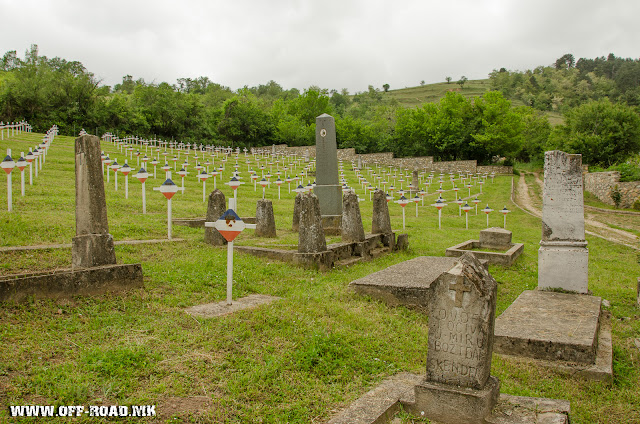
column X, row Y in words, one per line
column 422, row 83
column 567, row 61
column 309, row 105
column 603, row 132
column 448, row 79
column 386, row 87
column 462, row 81
column 244, row 123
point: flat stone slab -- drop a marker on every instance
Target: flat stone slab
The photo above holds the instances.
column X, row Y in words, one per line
column 66, row 283
column 506, row 258
column 551, row 326
column 381, row 404
column 218, row 309
column 407, row 283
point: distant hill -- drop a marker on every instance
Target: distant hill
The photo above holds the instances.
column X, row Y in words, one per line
column 428, row 93
column 415, row 96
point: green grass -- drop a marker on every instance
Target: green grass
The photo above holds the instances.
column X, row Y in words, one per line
column 295, row 360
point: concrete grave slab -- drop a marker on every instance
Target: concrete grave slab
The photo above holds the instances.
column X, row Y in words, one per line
column 563, row 331
column 382, row 403
column 405, row 284
column 506, row 258
column 211, row 310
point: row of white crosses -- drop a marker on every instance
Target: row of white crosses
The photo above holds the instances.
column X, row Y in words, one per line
column 38, row 155
column 14, row 128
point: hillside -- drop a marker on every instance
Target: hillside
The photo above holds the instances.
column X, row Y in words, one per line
column 414, row 96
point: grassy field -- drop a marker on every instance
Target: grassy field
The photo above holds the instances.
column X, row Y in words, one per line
column 297, row 360
column 415, row 96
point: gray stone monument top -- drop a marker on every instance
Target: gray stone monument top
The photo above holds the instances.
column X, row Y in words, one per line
column 91, row 205
column 326, row 151
column 327, row 188
column 380, row 220
column 562, row 200
column 461, row 323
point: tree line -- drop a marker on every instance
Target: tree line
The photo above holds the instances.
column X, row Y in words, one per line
column 46, row 91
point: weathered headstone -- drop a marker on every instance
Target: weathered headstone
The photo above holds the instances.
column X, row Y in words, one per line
column 563, row 257
column 93, row 245
column 459, row 388
column 352, row 229
column 327, row 188
column 296, row 212
column 381, row 222
column 310, row 233
column 265, row 221
column 415, row 182
column 216, row 207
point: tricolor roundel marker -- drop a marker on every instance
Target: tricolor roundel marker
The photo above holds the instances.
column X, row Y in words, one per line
column 168, row 188
column 229, row 225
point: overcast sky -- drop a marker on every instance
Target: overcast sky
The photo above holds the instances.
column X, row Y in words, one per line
column 332, row 44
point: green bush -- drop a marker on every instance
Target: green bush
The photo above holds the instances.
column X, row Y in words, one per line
column 616, row 196
column 636, row 204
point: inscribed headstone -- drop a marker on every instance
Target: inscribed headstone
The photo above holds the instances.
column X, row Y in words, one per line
column 327, row 188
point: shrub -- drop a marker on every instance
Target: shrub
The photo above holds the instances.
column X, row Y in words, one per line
column 616, row 196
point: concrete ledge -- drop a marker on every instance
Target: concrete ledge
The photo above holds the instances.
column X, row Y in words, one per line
column 499, row 258
column 70, row 282
column 336, row 254
column 211, row 310
column 381, row 404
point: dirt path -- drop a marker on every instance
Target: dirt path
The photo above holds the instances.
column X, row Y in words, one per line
column 593, row 226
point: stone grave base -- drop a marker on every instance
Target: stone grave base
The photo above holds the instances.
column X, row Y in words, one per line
column 382, row 404
column 499, row 258
column 567, row 332
column 70, row 282
column 570, row 256
column 405, row 284
column 218, row 309
column 336, row 255
column 455, row 405
column 332, row 225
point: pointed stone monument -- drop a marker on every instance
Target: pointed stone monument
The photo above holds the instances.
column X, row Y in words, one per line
column 328, row 189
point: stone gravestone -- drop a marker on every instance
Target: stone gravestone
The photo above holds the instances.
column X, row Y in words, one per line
column 459, row 388
column 310, row 233
column 93, row 245
column 216, row 207
column 265, row 221
column 415, row 181
column 296, row 212
column 352, row 229
column 563, row 257
column 328, row 189
column 381, row 222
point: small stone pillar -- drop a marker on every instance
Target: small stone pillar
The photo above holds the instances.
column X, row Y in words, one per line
column 310, row 233
column 415, row 181
column 459, row 388
column 215, row 208
column 381, row 222
column 296, row 212
column 265, row 221
column 563, row 257
column 352, row 229
column 93, row 245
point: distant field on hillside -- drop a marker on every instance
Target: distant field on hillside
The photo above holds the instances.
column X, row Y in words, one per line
column 415, row 96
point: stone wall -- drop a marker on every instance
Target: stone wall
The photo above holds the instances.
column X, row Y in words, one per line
column 600, row 185
column 454, row 166
column 499, row 170
column 387, row 159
